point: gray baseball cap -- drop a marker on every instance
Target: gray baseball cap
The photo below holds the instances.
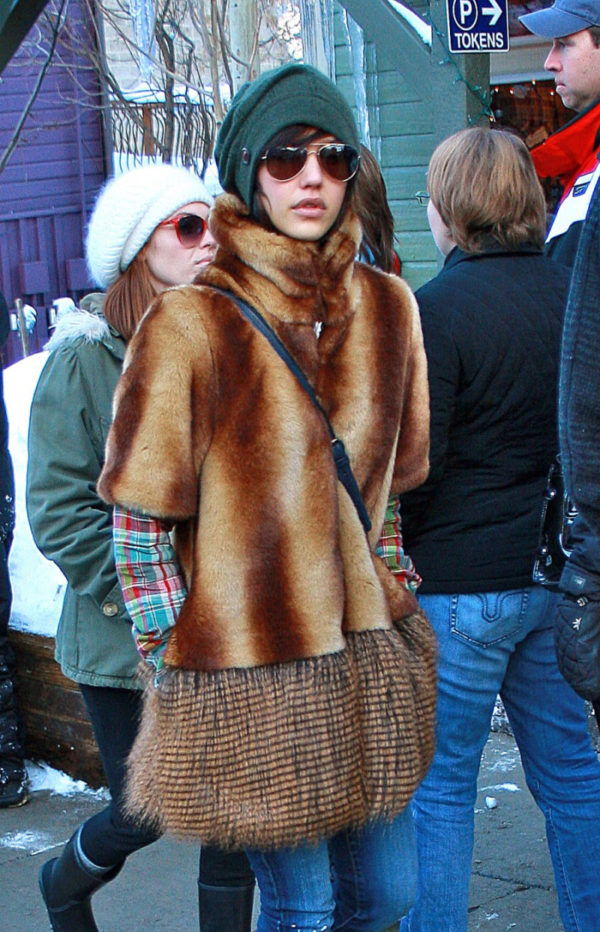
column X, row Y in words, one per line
column 563, row 18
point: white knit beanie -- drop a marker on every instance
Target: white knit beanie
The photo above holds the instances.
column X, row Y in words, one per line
column 128, row 210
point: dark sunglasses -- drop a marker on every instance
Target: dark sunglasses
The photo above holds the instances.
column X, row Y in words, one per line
column 338, row 161
column 190, row 228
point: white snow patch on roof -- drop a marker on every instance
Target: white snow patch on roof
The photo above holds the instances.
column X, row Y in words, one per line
column 422, row 28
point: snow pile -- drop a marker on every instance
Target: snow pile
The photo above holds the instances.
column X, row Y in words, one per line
column 31, row 842
column 38, row 585
column 43, row 777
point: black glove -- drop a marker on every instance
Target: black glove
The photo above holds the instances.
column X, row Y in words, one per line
column 577, row 631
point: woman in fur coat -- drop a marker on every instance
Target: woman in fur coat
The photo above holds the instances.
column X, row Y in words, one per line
column 291, row 689
column 147, row 232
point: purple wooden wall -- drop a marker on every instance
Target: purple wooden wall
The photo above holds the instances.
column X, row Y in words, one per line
column 50, row 182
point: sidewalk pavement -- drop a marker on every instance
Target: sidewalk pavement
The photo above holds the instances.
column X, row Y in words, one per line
column 512, row 885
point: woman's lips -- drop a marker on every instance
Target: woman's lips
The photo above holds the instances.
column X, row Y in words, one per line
column 310, row 207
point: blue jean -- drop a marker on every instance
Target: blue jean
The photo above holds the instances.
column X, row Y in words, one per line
column 358, row 881
column 490, row 643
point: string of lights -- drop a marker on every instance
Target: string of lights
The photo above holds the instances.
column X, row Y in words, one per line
column 482, row 94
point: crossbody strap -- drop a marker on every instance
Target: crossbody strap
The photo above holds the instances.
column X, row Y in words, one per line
column 342, row 462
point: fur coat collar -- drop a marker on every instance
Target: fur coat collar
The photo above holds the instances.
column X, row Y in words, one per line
column 301, row 282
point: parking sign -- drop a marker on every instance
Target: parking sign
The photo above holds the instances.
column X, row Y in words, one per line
column 478, row 25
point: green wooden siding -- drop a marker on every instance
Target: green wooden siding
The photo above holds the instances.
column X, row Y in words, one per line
column 413, row 104
column 404, row 127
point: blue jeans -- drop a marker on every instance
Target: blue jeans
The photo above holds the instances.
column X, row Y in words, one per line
column 359, row 881
column 490, row 643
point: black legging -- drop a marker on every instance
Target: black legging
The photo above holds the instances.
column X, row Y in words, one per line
column 108, row 837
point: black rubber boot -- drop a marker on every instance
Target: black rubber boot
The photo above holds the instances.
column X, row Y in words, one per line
column 13, row 775
column 13, row 784
column 225, row 909
column 67, row 887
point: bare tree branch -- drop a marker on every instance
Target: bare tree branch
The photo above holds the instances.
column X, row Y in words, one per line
column 185, row 68
column 36, row 89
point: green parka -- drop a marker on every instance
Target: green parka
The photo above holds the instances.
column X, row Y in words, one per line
column 71, row 525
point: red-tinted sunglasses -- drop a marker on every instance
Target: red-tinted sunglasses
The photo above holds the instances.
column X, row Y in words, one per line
column 190, row 228
column 338, row 161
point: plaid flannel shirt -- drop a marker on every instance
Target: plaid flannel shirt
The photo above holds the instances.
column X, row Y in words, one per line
column 152, row 584
column 390, row 547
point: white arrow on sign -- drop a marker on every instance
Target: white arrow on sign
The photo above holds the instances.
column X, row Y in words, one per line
column 494, row 11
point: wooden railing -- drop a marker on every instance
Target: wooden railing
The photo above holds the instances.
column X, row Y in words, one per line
column 183, row 133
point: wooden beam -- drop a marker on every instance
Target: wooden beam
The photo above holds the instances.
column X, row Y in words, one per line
column 460, row 84
column 452, row 85
column 16, row 19
column 57, row 725
column 397, row 44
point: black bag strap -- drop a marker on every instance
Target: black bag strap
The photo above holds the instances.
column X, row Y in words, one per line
column 342, row 463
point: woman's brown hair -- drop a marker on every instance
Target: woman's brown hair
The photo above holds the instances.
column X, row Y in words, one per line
column 370, row 204
column 484, row 185
column 129, row 297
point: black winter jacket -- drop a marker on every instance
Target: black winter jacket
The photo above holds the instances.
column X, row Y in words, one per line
column 492, row 326
column 579, row 403
column 7, row 480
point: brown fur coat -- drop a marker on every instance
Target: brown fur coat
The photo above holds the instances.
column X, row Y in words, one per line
column 299, row 692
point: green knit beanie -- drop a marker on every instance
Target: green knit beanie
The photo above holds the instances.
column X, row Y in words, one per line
column 286, row 96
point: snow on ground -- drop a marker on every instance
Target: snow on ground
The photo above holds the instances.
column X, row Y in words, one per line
column 38, row 585
column 44, row 777
column 507, row 787
column 31, row 842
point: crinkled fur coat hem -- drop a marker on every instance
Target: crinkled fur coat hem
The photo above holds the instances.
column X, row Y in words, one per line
column 322, row 744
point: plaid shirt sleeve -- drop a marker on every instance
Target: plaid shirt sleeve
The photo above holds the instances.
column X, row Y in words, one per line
column 391, row 549
column 153, row 588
